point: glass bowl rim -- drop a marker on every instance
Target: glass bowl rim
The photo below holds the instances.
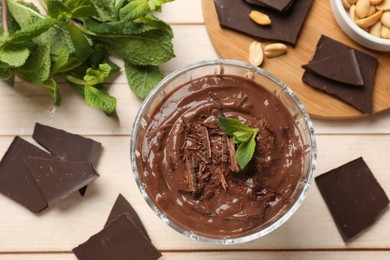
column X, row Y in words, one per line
column 162, row 216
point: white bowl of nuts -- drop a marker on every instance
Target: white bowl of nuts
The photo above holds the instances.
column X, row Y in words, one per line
column 367, row 22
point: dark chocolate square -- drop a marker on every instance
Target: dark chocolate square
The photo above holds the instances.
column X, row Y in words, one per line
column 280, row 5
column 16, row 181
column 285, row 27
column 67, row 146
column 122, row 206
column 361, row 97
column 121, row 239
column 57, row 179
column 353, row 196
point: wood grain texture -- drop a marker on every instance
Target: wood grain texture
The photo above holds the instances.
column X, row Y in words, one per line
column 233, row 45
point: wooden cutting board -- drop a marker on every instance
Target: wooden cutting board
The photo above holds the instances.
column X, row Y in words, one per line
column 232, row 45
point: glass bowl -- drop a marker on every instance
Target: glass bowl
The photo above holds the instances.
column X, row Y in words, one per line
column 274, row 86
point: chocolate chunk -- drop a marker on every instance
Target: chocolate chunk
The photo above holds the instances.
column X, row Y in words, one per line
column 122, row 206
column 120, row 240
column 284, row 27
column 57, row 179
column 360, row 98
column 16, row 181
column 354, row 197
column 67, row 146
column 280, row 5
column 342, row 67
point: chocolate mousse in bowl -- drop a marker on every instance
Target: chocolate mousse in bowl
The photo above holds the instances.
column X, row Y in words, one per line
column 223, row 152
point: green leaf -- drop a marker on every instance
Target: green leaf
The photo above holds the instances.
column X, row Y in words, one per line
column 37, row 67
column 12, row 24
column 12, row 55
column 231, row 125
column 142, row 79
column 105, row 9
column 97, row 76
column 245, row 152
column 52, row 88
column 25, row 34
column 150, row 48
column 155, row 5
column 242, row 136
column 6, row 74
column 56, row 8
column 100, row 99
column 23, row 13
column 134, row 9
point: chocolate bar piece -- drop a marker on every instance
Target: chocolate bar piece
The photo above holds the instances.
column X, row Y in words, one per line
column 361, row 97
column 67, row 146
column 284, row 27
column 121, row 239
column 16, row 181
column 354, row 197
column 122, row 206
column 57, row 179
column 342, row 67
column 280, row 5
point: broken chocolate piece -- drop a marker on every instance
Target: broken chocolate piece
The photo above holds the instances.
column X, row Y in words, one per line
column 16, row 181
column 354, row 197
column 120, row 240
column 280, row 5
column 360, row 98
column 57, row 179
column 122, row 206
column 67, row 146
column 284, row 27
column 342, row 67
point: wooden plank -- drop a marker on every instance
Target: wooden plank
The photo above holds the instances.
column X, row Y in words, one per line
column 233, row 45
column 75, row 219
column 226, row 255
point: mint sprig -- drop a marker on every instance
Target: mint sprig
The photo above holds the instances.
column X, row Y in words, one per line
column 74, row 40
column 244, row 136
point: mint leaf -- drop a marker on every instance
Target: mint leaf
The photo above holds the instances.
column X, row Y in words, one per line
column 52, row 88
column 37, row 67
column 6, row 74
column 242, row 135
column 23, row 14
column 245, row 152
column 142, row 79
column 13, row 55
column 134, row 9
column 56, row 8
column 100, row 75
column 155, row 5
column 231, row 125
column 31, row 31
column 100, row 99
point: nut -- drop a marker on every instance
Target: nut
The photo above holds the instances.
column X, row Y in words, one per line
column 275, row 50
column 255, row 54
column 352, row 13
column 260, row 18
column 372, row 10
column 385, row 5
column 371, row 20
column 376, row 2
column 385, row 32
column 362, row 8
column 386, row 18
column 346, row 4
column 376, row 29
column 352, row 2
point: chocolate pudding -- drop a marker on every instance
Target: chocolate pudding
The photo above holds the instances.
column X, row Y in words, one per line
column 188, row 165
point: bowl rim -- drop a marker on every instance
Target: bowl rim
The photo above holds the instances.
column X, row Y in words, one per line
column 338, row 6
column 233, row 240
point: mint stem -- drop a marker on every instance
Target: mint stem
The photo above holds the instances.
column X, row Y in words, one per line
column 75, row 80
column 5, row 16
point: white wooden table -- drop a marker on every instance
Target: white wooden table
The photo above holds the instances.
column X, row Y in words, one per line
column 309, row 234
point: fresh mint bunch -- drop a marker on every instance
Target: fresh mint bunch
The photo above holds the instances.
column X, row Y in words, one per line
column 75, row 40
column 243, row 136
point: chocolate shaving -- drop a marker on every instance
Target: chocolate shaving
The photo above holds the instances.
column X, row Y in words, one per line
column 234, row 167
column 216, row 100
column 222, row 178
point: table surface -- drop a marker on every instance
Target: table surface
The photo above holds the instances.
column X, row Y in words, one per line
column 309, row 234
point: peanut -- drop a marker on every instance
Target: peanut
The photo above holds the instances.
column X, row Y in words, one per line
column 385, row 5
column 376, row 2
column 260, row 18
column 386, row 18
column 275, row 50
column 255, row 54
column 385, row 32
column 370, row 20
column 362, row 8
